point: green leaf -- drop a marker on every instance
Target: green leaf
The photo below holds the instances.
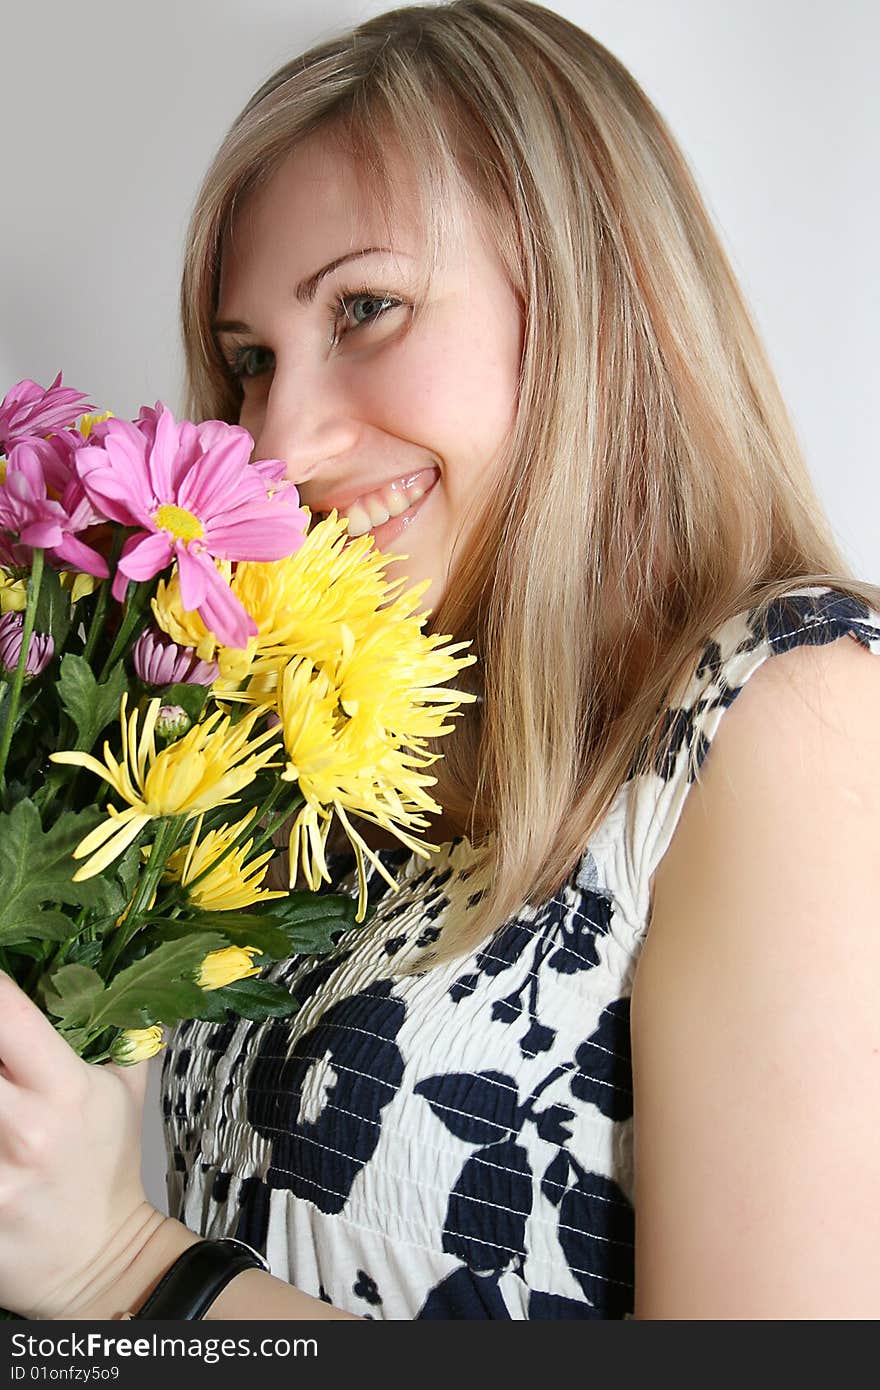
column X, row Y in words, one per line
column 37, row 867
column 191, row 698
column 159, row 988
column 251, row 998
column 91, row 706
column 40, row 924
column 300, row 928
column 85, row 953
column 311, row 920
column 238, row 928
column 53, row 614
column 128, row 869
column 73, row 993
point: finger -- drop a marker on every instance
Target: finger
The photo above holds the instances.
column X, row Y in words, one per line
column 31, row 1052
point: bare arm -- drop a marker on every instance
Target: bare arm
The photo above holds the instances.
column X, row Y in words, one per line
column 155, row 1246
column 756, row 1012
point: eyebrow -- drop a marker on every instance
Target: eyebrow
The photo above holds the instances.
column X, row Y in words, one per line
column 308, row 288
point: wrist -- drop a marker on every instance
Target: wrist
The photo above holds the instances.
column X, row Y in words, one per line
column 143, row 1252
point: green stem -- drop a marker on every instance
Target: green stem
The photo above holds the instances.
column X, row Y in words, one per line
column 132, row 615
column 275, row 824
column 97, row 620
column 103, row 598
column 33, row 594
column 163, row 846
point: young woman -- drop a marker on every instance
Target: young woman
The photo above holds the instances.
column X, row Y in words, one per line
column 454, row 270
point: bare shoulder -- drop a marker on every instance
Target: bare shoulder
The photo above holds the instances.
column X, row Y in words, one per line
column 756, row 1010
column 802, row 735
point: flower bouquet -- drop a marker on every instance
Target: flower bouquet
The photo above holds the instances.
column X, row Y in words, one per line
column 175, row 631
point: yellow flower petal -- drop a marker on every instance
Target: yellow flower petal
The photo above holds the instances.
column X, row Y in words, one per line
column 206, row 768
column 234, row 883
column 137, row 1045
column 224, row 967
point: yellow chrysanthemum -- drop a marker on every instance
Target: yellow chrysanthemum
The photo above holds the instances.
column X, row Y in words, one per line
column 234, row 883
column 78, row 585
column 352, row 765
column 224, row 967
column 137, row 1045
column 297, row 603
column 204, row 769
column 184, row 626
column 13, row 593
column 342, row 658
column 87, row 422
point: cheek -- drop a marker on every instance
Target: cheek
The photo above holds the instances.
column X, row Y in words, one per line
column 452, row 392
column 252, row 414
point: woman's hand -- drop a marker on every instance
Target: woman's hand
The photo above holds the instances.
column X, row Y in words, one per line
column 73, row 1214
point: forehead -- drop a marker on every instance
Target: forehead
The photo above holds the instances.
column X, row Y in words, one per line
column 316, row 204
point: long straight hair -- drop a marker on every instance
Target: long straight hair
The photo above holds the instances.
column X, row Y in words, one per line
column 652, row 484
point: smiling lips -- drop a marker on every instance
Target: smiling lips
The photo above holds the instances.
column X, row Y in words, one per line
column 371, row 509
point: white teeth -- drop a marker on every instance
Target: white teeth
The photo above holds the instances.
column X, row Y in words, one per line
column 379, row 514
column 396, row 500
column 358, row 520
column 378, row 507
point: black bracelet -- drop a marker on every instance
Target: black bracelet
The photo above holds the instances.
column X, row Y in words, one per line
column 190, row 1286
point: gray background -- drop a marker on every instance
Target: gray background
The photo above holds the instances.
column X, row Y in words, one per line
column 111, row 111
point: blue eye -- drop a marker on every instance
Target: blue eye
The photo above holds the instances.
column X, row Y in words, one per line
column 377, row 304
column 242, row 365
column 238, row 363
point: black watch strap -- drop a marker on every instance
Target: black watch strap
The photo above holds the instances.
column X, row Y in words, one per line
column 190, row 1286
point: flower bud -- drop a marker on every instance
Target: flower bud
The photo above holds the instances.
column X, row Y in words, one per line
column 224, row 967
column 159, row 661
column 40, row 649
column 172, row 722
column 137, row 1045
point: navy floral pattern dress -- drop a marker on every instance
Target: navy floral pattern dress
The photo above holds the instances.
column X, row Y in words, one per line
column 457, row 1142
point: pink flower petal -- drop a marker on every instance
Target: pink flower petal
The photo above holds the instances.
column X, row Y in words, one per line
column 160, row 464
column 145, row 556
column 42, row 535
column 213, row 431
column 193, row 571
column 28, row 409
column 106, row 487
column 273, row 472
column 261, row 531
column 220, row 480
column 74, row 552
column 223, row 614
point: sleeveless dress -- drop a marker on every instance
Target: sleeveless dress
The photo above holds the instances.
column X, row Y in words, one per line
column 457, row 1143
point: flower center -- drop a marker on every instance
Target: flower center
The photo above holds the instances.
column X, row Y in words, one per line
column 179, row 523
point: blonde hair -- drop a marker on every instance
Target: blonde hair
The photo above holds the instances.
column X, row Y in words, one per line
column 652, row 484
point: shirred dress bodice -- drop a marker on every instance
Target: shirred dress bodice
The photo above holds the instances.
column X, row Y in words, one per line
column 457, row 1142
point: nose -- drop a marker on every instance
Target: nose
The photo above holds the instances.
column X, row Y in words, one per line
column 306, row 424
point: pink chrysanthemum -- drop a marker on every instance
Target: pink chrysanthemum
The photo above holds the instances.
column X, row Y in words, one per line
column 272, row 471
column 158, row 661
column 34, row 519
column 29, row 410
column 194, row 497
column 41, row 648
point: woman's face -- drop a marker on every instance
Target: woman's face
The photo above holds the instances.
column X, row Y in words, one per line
column 400, row 431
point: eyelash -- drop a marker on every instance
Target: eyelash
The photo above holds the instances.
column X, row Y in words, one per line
column 235, row 364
